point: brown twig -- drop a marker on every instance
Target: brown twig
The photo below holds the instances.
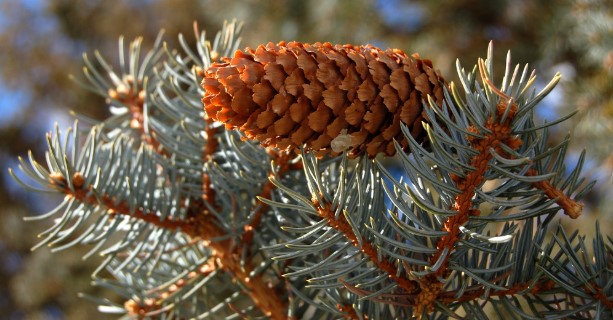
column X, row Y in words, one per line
column 538, row 288
column 258, row 289
column 571, row 208
column 208, row 193
column 82, row 194
column 151, row 307
column 203, row 227
column 500, row 133
column 326, row 211
column 544, row 286
column 226, row 251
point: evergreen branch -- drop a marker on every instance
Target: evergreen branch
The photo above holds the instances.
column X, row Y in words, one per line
column 90, row 176
column 205, row 227
column 557, row 267
column 83, row 194
column 205, row 223
column 341, row 224
column 235, row 257
column 258, row 289
column 492, row 134
column 328, row 230
column 127, row 91
column 227, row 253
column 151, row 306
column 125, row 94
column 145, row 288
column 571, row 207
column 271, row 304
column 200, row 211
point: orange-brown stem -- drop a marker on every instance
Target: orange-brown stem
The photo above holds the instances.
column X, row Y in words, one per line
column 463, row 205
column 122, row 208
column 151, row 306
column 477, row 292
column 208, row 193
column 538, row 288
column 571, row 207
column 203, row 227
column 500, row 134
column 327, row 212
column 259, row 289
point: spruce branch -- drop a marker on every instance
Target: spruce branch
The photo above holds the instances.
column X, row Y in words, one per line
column 343, row 225
column 491, row 136
column 195, row 219
column 168, row 156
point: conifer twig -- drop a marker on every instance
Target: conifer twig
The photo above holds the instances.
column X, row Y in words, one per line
column 501, row 133
column 202, row 227
column 571, row 207
column 82, row 194
column 325, row 211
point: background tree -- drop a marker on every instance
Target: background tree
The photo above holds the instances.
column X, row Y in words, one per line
column 49, row 40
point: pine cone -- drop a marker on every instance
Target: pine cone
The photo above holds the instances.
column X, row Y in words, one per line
column 330, row 98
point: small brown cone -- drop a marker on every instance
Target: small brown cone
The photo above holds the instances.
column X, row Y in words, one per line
column 330, row 98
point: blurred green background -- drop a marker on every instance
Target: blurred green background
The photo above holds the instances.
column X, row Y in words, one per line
column 41, row 42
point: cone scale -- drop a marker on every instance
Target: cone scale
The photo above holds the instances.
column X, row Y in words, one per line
column 327, row 98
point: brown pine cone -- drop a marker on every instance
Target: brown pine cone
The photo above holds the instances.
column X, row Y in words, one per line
column 330, row 98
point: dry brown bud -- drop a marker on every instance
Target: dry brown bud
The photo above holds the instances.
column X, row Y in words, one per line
column 330, row 98
column 113, row 94
column 214, row 55
column 131, row 307
column 123, row 90
column 129, row 79
column 141, row 96
column 57, row 179
column 198, row 71
column 135, row 124
column 78, row 180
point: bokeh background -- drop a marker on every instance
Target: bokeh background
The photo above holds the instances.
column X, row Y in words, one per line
column 41, row 43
